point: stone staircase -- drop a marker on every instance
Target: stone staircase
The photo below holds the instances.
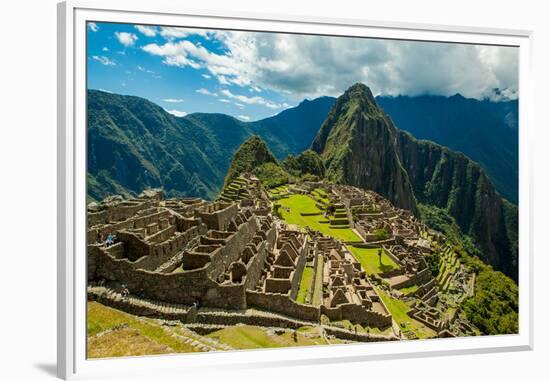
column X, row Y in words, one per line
column 139, row 306
column 201, row 343
column 429, row 294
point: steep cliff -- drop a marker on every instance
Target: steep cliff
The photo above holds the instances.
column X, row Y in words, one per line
column 454, row 183
column 484, row 130
column 357, row 143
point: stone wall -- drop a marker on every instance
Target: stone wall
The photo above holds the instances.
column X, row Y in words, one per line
column 282, row 304
column 357, row 314
column 141, row 307
column 218, row 219
column 134, row 246
column 231, row 296
column 296, row 277
column 348, row 335
column 231, row 251
column 256, row 264
column 262, row 320
column 418, row 278
column 119, row 212
column 184, row 287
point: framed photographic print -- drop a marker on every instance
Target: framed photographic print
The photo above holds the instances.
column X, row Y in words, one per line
column 321, row 189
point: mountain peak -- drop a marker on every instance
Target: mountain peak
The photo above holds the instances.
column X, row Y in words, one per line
column 357, row 143
column 251, row 154
column 357, row 103
column 362, row 93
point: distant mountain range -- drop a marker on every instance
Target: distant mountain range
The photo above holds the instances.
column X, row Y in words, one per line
column 134, row 144
column 485, row 131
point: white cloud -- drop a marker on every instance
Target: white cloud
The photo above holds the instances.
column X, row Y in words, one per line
column 104, row 60
column 172, row 32
column 311, row 66
column 204, row 91
column 173, row 54
column 125, row 38
column 206, row 76
column 93, row 26
column 177, row 113
column 173, row 100
column 105, row 49
column 149, row 31
column 225, row 100
column 141, row 68
column 246, row 118
column 239, row 105
column 106, row 91
column 257, row 100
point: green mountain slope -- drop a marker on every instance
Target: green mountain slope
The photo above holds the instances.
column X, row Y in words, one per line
column 134, row 144
column 292, row 130
column 485, row 131
column 361, row 146
column 251, row 154
column 307, row 163
column 254, row 157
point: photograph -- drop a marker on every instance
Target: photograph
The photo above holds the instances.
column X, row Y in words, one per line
column 259, row 189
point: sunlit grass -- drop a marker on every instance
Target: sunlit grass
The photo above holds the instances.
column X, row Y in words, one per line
column 101, row 318
column 250, row 337
column 369, row 260
column 399, row 310
column 305, row 284
column 124, row 342
column 294, row 205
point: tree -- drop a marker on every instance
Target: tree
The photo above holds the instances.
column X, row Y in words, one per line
column 381, row 234
column 276, row 210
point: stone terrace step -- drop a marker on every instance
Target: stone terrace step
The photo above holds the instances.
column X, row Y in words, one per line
column 212, row 316
column 202, row 343
column 138, row 306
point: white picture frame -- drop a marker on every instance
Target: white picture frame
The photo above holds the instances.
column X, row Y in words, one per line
column 72, row 18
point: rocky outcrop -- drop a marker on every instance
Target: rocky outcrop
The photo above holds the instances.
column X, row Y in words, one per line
column 357, row 143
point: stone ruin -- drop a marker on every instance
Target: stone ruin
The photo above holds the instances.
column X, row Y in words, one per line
column 349, row 295
column 233, row 254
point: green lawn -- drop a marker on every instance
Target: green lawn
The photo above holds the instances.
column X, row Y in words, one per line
column 278, row 190
column 346, row 324
column 399, row 310
column 318, row 285
column 250, row 337
column 321, row 196
column 305, row 285
column 409, row 290
column 298, row 203
column 321, row 192
column 370, row 262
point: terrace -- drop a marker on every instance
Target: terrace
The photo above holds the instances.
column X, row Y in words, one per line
column 302, row 210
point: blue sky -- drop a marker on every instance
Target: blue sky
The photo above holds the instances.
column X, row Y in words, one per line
column 253, row 75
